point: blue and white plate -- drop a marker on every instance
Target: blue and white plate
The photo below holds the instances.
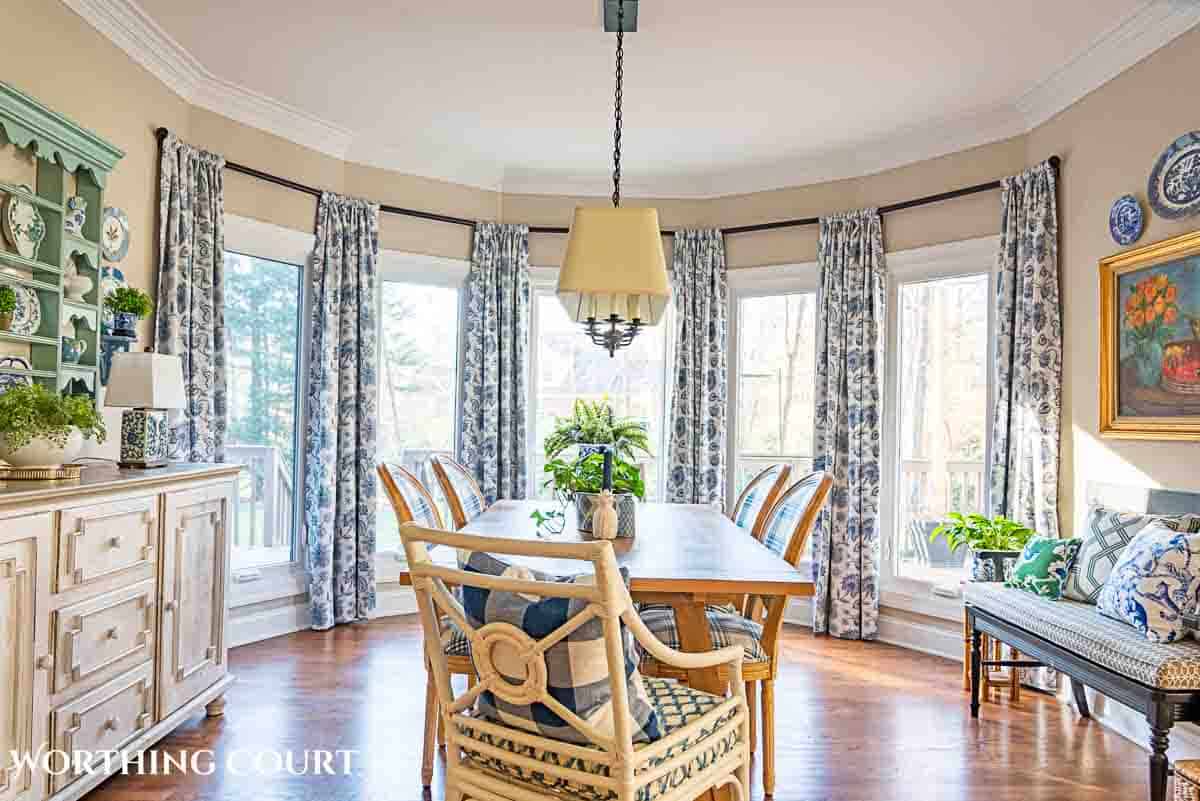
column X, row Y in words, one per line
column 1174, row 187
column 8, row 380
column 1126, row 221
column 27, row 316
column 114, row 233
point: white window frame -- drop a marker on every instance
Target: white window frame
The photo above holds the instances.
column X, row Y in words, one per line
column 416, row 268
column 969, row 257
column 757, row 282
column 544, row 281
column 251, row 585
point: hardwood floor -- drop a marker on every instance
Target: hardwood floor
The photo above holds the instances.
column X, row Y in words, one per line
column 856, row 721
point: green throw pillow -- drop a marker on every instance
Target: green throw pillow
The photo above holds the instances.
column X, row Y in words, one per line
column 1043, row 566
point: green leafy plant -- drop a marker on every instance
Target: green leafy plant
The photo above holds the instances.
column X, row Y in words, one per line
column 8, row 299
column 31, row 411
column 981, row 533
column 129, row 300
column 587, row 475
column 595, row 423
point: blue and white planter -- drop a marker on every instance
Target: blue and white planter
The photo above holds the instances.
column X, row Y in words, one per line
column 993, row 565
column 124, row 324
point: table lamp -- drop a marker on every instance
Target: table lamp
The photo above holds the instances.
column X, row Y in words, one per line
column 146, row 384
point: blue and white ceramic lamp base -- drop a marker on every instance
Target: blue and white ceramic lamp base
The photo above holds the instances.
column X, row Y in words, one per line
column 144, row 438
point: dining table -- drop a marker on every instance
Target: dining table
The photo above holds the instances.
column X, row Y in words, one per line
column 684, row 555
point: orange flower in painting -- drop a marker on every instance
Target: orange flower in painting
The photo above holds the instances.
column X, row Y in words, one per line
column 1148, row 289
column 1151, row 314
column 1161, row 281
column 1172, row 293
column 1160, row 305
column 1171, row 315
column 1137, row 319
column 1132, row 302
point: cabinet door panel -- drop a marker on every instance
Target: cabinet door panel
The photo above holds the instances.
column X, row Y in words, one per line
column 193, row 593
column 24, row 597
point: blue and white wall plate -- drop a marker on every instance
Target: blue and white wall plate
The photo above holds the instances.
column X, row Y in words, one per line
column 1126, row 221
column 114, row 234
column 1174, row 187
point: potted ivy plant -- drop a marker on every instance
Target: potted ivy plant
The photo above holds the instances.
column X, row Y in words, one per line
column 581, row 480
column 40, row 428
column 993, row 542
column 8, row 305
column 128, row 305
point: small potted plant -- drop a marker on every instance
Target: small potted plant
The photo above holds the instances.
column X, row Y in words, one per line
column 8, row 305
column 994, row 542
column 40, row 428
column 582, row 480
column 128, row 305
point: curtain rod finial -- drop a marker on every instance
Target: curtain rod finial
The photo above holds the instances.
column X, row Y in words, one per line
column 161, row 133
column 1055, row 162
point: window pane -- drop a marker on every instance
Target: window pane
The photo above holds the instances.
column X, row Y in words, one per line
column 418, row 387
column 776, row 383
column 943, row 352
column 262, row 319
column 569, row 366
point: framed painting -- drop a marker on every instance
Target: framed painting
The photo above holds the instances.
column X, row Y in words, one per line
column 1150, row 341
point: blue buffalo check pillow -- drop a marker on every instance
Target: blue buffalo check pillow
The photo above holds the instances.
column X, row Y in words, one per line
column 577, row 667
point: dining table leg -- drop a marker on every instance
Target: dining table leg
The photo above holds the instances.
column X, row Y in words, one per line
column 694, row 637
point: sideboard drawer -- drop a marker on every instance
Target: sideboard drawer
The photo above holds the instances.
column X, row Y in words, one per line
column 105, row 539
column 101, row 636
column 105, row 719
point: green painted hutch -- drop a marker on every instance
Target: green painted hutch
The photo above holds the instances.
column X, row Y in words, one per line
column 64, row 154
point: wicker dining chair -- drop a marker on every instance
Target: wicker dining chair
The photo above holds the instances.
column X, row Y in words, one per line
column 754, row 504
column 516, row 733
column 463, row 496
column 756, row 627
column 413, row 503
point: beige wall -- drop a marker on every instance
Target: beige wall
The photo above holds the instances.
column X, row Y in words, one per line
column 1108, row 142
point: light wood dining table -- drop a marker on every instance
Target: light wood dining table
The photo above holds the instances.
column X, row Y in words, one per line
column 682, row 554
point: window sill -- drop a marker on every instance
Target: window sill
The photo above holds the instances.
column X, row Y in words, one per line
column 271, row 584
column 920, row 599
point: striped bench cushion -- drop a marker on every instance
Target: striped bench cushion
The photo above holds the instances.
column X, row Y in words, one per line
column 1080, row 629
column 724, row 627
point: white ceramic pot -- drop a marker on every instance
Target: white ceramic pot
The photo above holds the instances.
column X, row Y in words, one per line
column 41, row 452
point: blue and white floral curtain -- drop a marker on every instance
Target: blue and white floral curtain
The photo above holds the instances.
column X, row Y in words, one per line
column 190, row 313
column 1026, row 418
column 495, row 333
column 847, row 440
column 700, row 398
column 339, row 455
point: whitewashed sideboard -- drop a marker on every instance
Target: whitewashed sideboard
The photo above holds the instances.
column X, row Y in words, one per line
column 112, row 615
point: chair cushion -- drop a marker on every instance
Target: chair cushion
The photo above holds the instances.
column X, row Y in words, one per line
column 454, row 642
column 1082, row 630
column 725, row 628
column 1154, row 583
column 577, row 674
column 675, row 704
column 1043, row 565
column 1108, row 532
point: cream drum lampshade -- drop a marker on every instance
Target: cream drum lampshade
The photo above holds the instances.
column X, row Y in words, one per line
column 615, row 265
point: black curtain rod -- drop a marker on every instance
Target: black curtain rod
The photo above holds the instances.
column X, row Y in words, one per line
column 554, row 229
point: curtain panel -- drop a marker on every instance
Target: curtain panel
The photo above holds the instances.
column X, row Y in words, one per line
column 1026, row 418
column 190, row 313
column 700, row 397
column 339, row 455
column 495, row 334
column 847, row 428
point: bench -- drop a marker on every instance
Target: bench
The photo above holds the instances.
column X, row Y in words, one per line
column 1160, row 680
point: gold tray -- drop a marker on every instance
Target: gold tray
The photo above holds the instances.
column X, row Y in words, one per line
column 67, row 472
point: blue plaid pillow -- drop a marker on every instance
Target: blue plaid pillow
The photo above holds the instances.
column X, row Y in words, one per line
column 577, row 667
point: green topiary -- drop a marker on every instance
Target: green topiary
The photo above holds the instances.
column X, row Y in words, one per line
column 31, row 411
column 8, row 299
column 129, row 300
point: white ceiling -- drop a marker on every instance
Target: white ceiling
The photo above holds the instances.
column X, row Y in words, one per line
column 720, row 97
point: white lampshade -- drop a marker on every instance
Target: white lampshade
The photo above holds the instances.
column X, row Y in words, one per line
column 146, row 381
column 614, row 265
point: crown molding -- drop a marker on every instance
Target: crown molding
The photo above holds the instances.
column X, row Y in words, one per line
column 1152, row 25
column 129, row 27
column 1156, row 24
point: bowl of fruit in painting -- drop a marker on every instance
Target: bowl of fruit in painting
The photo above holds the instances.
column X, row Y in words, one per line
column 1181, row 367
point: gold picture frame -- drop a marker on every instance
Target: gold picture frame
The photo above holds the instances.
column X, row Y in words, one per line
column 1150, row 341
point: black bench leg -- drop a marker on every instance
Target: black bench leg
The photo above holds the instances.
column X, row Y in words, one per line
column 1081, row 702
column 976, row 667
column 1161, row 719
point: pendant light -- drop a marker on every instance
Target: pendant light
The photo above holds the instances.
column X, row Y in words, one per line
column 614, row 276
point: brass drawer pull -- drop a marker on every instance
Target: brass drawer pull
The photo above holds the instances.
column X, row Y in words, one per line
column 112, row 633
column 112, row 723
column 115, row 542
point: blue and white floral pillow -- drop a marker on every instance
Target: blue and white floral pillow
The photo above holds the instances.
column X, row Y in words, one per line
column 1154, row 583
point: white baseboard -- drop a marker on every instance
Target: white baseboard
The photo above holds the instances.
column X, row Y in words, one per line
column 257, row 622
column 928, row 638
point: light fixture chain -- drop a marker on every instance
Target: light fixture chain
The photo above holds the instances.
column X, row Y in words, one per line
column 616, row 198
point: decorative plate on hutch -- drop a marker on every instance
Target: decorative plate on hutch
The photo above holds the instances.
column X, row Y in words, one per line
column 8, row 380
column 27, row 316
column 114, row 233
column 1174, row 187
column 23, row 225
column 1125, row 221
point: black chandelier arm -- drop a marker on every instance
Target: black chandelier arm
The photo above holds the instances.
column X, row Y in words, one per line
column 617, row 98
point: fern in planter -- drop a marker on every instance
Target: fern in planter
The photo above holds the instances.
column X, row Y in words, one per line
column 587, row 475
column 595, row 423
